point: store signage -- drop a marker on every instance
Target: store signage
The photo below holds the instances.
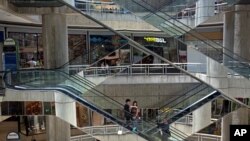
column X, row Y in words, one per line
column 12, row 136
column 9, row 42
column 154, row 39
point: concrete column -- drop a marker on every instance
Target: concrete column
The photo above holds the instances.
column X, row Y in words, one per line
column 55, row 44
column 57, row 129
column 55, row 40
column 236, row 33
column 217, row 76
column 204, row 10
column 36, row 123
column 201, row 117
column 242, row 28
column 228, row 36
column 238, row 117
column 225, row 127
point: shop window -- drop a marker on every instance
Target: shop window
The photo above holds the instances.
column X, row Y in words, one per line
column 49, row 108
column 12, row 108
column 77, row 49
column 30, row 46
column 104, row 48
column 33, row 108
column 5, row 108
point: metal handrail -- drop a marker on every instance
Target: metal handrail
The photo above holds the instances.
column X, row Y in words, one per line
column 202, row 137
column 104, row 130
column 82, row 138
column 137, row 69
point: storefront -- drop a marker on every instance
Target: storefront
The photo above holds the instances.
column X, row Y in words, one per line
column 168, row 48
column 107, row 49
column 30, row 46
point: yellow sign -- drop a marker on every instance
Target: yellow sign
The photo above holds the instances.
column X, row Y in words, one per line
column 154, row 39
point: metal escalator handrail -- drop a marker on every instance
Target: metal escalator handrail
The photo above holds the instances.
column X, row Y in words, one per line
column 176, row 98
column 196, row 102
column 189, row 96
column 138, row 46
column 244, row 59
column 192, row 106
column 135, row 44
column 68, row 91
column 48, row 88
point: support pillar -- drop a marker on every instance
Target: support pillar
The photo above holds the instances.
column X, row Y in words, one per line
column 55, row 43
column 228, row 37
column 217, row 76
column 225, row 127
column 236, row 33
column 201, row 117
column 204, row 10
column 57, row 129
column 55, row 40
column 242, row 28
column 238, row 117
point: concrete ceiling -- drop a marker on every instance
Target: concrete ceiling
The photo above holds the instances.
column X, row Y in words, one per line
column 36, row 3
column 10, row 17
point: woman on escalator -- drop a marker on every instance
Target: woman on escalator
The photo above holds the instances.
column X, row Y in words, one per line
column 135, row 115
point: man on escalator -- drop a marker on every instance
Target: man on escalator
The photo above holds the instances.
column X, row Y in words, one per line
column 127, row 111
column 164, row 130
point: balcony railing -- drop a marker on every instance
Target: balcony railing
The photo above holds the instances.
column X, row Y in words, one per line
column 139, row 69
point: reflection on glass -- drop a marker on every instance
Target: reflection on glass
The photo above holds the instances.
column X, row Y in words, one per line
column 30, row 46
column 32, row 125
column 82, row 115
column 33, row 108
column 77, row 47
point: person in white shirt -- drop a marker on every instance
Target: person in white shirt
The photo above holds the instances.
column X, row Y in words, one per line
column 32, row 62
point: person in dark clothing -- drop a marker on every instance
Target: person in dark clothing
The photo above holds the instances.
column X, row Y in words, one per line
column 127, row 111
column 164, row 130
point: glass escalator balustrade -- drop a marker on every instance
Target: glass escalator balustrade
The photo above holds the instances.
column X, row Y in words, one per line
column 74, row 88
column 163, row 20
column 68, row 88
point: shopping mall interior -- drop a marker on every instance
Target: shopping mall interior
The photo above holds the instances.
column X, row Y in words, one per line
column 69, row 68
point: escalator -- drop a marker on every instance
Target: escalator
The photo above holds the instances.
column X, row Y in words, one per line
column 42, row 79
column 183, row 14
column 162, row 19
column 74, row 88
column 178, row 107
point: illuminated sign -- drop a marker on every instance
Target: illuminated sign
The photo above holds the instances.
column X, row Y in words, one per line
column 13, row 136
column 154, row 39
column 9, row 42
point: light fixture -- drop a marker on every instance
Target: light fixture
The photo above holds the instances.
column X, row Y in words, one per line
column 119, row 132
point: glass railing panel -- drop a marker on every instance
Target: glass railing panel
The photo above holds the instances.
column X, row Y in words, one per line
column 169, row 105
column 185, row 11
column 212, row 49
column 185, row 66
column 220, row 107
column 219, row 112
column 101, row 50
column 96, row 100
column 180, row 106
